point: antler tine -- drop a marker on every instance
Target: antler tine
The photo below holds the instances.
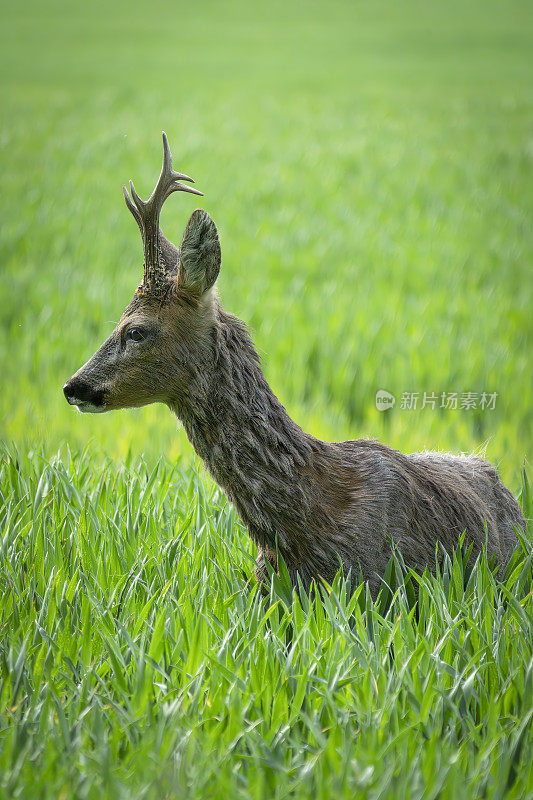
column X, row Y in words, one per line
column 168, row 179
column 146, row 212
column 132, row 207
column 180, row 187
column 167, row 163
column 141, row 204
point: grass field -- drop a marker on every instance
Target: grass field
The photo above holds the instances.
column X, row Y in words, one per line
column 370, row 169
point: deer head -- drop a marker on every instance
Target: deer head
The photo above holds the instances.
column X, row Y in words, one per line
column 164, row 333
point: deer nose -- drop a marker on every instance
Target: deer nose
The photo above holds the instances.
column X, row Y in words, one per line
column 74, row 390
column 77, row 391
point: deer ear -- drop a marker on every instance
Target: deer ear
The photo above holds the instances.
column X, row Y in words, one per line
column 199, row 253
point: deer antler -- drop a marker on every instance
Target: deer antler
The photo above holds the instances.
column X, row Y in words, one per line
column 146, row 213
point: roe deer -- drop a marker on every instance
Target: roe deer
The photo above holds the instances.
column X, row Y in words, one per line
column 321, row 504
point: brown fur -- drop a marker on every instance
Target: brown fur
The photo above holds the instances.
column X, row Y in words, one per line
column 322, row 505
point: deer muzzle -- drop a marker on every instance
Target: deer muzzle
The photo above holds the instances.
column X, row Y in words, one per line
column 86, row 398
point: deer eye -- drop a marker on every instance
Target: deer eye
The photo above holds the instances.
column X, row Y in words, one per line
column 135, row 335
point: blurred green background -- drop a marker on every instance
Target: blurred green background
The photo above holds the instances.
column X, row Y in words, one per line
column 369, row 167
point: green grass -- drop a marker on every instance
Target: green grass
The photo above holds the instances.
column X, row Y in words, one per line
column 370, row 169
column 136, row 659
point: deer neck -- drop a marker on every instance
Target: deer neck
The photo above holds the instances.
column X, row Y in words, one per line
column 246, row 438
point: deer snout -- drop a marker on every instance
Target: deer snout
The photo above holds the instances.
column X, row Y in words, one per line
column 85, row 397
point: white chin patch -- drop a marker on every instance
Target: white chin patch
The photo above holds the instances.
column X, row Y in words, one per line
column 88, row 408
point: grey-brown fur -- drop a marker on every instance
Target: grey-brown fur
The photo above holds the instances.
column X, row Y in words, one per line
column 324, row 503
column 321, row 504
